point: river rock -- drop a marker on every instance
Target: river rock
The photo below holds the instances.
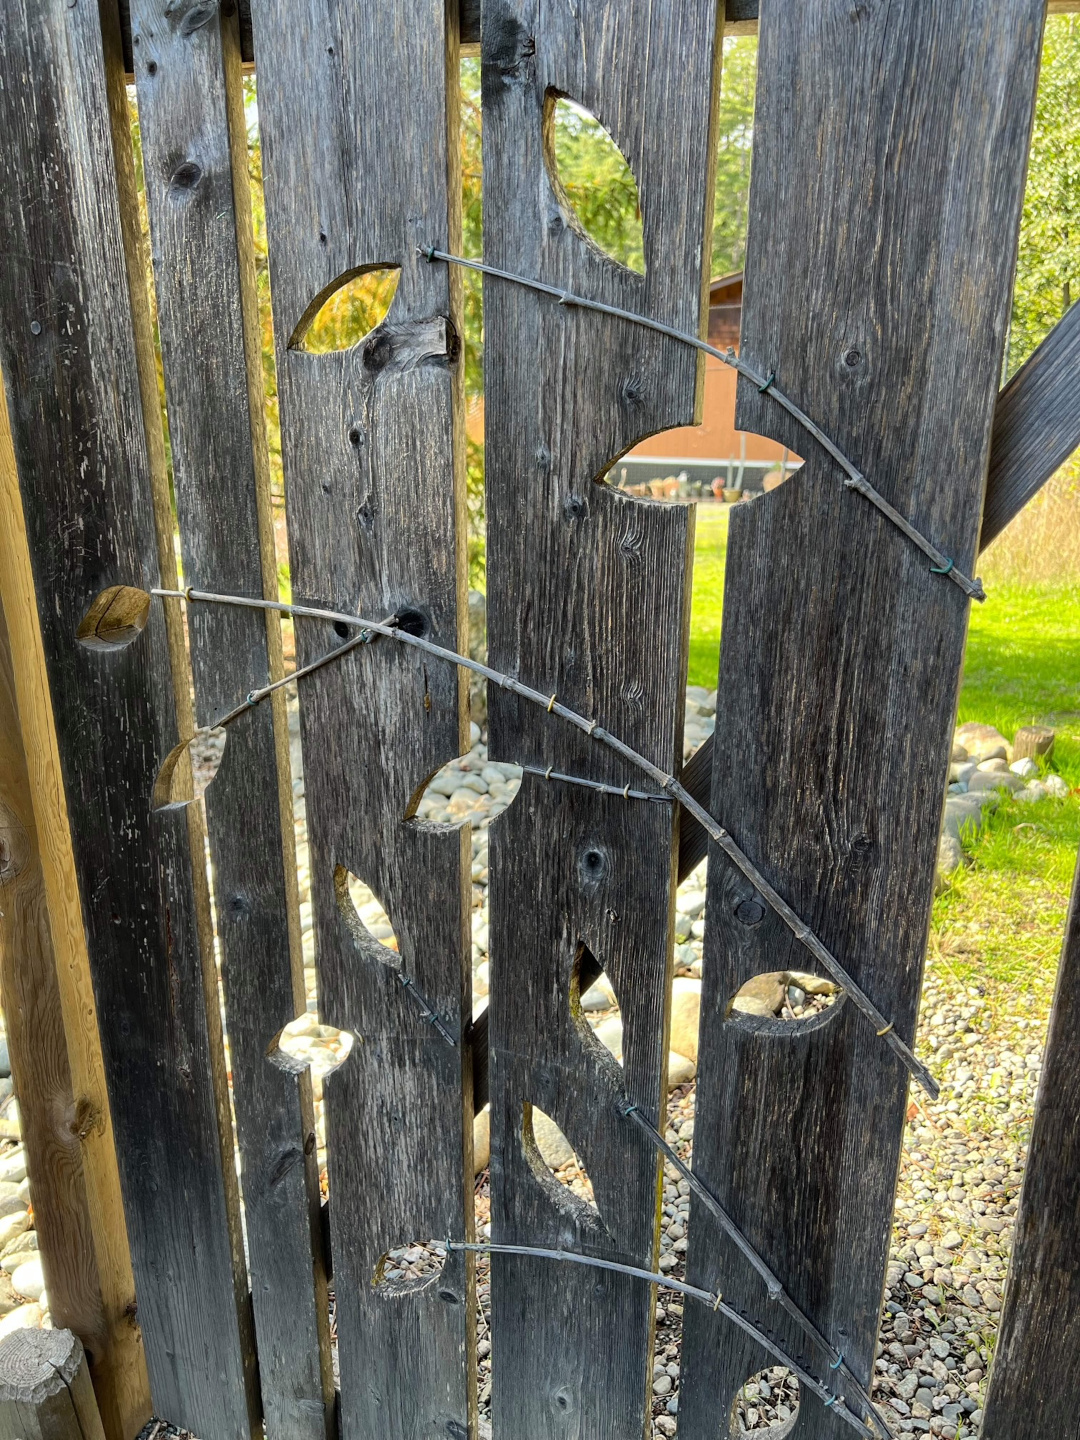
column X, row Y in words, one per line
column 28, row 1279
column 609, row 1033
column 950, row 856
column 12, row 1227
column 550, row 1141
column 599, row 997
column 982, row 742
column 680, row 1070
column 13, row 1166
column 25, row 1317
column 812, row 984
column 481, row 1139
column 685, row 1017
column 994, row 780
column 1056, row 787
column 762, row 995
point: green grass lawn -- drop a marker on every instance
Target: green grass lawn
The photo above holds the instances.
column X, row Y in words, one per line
column 1000, row 920
column 710, row 556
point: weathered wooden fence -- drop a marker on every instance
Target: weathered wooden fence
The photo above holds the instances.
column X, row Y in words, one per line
column 890, row 151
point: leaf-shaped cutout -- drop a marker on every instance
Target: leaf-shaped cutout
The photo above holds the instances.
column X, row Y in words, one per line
column 466, row 788
column 305, row 1042
column 348, row 310
column 117, row 617
column 408, row 1269
column 766, row 1405
column 366, row 917
column 784, row 996
column 188, row 769
column 594, row 182
column 553, row 1158
column 594, row 1007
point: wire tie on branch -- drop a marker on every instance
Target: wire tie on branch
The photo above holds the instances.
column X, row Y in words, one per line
column 854, row 478
column 409, row 986
column 666, row 782
column 773, row 1287
column 715, row 1303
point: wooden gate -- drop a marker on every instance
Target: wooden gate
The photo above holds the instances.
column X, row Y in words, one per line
column 890, row 149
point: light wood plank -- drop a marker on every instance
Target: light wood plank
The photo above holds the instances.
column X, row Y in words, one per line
column 119, row 1367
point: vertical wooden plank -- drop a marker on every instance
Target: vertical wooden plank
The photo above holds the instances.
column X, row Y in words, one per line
column 1034, row 1386
column 187, row 70
column 588, row 598
column 358, row 111
column 898, row 134
column 119, row 1365
column 76, row 401
column 39, row 1059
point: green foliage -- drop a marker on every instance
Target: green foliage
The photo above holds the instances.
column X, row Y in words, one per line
column 1048, row 267
column 707, row 598
column 735, row 142
column 598, row 185
column 352, row 311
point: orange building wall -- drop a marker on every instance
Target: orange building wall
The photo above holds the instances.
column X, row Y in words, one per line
column 716, row 437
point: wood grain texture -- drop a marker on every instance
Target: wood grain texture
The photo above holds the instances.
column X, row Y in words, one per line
column 38, row 1049
column 119, row 1367
column 1036, row 429
column 1039, row 1337
column 195, row 163
column 76, row 406
column 1036, row 425
column 898, row 133
column 45, row 1388
column 356, row 175
column 587, row 597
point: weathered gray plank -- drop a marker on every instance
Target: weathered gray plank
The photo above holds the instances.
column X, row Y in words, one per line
column 898, row 134
column 1036, row 425
column 1034, row 1386
column 587, row 597
column 1036, row 429
column 193, row 129
column 77, row 392
column 359, row 121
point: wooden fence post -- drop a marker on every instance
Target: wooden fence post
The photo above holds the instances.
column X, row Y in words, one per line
column 45, row 1389
column 56, row 1125
column 82, row 424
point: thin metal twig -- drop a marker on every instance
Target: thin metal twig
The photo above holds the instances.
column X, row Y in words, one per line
column 715, row 1303
column 774, row 1288
column 854, row 479
column 623, row 791
column 885, row 1029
